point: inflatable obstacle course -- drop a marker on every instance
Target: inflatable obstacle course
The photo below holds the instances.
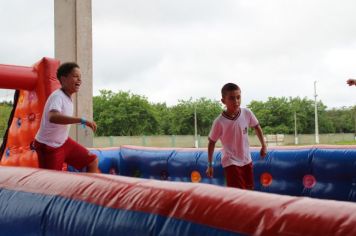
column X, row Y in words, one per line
column 62, row 203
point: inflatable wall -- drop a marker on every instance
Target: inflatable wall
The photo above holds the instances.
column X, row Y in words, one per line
column 326, row 172
column 33, row 85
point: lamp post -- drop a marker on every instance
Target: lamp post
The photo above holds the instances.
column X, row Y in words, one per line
column 316, row 116
column 296, row 141
column 195, row 127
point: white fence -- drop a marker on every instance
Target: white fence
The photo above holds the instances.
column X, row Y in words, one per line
column 189, row 140
column 185, row 141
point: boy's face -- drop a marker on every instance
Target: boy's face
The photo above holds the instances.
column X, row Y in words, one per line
column 232, row 100
column 72, row 82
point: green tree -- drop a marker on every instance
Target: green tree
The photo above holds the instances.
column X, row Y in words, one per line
column 207, row 111
column 325, row 124
column 183, row 116
column 163, row 114
column 123, row 113
column 304, row 111
column 5, row 111
column 276, row 115
column 343, row 119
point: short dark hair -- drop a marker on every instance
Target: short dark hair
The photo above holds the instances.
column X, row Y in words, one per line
column 65, row 69
column 229, row 87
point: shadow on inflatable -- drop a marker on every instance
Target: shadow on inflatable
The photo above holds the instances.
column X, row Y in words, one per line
column 299, row 190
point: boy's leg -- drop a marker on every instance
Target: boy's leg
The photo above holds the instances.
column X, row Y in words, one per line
column 233, row 177
column 239, row 176
column 248, row 176
column 80, row 157
column 93, row 166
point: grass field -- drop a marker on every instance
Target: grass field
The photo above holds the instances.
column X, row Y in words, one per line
column 346, row 143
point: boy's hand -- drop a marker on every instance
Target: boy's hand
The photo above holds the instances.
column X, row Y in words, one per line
column 263, row 151
column 210, row 171
column 91, row 124
column 351, row 82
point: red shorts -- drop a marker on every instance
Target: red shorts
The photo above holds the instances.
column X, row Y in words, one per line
column 70, row 152
column 239, row 176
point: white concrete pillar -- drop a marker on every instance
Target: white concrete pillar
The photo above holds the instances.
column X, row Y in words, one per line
column 73, row 42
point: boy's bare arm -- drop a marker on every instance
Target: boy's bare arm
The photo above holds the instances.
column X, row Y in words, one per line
column 211, row 147
column 58, row 118
column 259, row 133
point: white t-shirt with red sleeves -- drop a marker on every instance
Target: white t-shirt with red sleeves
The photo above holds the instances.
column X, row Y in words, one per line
column 52, row 134
column 233, row 134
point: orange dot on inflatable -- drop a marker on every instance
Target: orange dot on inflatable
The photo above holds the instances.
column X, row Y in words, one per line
column 266, row 179
column 309, row 181
column 31, row 117
column 195, row 176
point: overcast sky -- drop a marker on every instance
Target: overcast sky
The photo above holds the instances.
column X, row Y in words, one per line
column 171, row 50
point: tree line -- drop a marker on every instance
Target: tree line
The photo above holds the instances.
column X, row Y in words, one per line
column 127, row 114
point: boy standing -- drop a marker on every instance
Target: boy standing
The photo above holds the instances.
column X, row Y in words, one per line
column 52, row 144
column 231, row 128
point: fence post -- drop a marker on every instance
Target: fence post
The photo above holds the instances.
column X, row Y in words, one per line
column 111, row 141
column 173, row 140
column 144, row 141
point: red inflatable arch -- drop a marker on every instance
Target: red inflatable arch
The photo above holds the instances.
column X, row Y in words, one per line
column 33, row 85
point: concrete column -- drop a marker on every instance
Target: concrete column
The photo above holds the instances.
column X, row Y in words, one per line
column 73, row 42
